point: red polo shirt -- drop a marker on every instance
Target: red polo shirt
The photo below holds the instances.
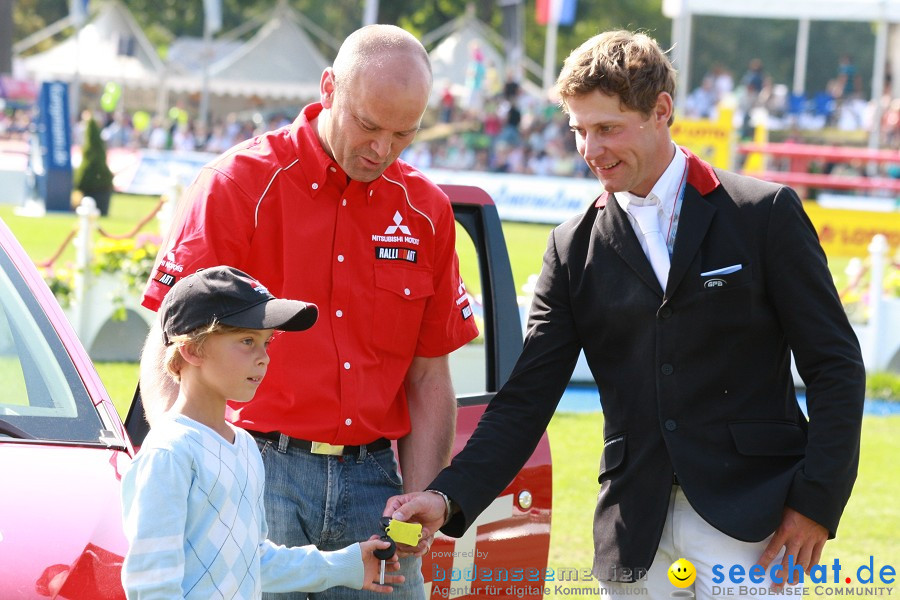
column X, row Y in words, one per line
column 377, row 258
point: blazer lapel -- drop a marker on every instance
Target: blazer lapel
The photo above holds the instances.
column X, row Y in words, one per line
column 693, row 223
column 614, row 230
column 694, row 219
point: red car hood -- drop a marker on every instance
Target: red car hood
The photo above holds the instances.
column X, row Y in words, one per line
column 60, row 522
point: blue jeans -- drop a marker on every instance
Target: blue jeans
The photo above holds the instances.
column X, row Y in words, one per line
column 332, row 502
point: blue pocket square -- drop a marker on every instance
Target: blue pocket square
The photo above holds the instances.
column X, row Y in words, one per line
column 722, row 271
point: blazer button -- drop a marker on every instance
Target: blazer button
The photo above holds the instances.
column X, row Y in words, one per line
column 665, row 312
column 667, row 369
column 671, row 425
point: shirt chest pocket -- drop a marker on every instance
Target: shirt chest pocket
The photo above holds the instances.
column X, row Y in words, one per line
column 400, row 297
column 728, row 298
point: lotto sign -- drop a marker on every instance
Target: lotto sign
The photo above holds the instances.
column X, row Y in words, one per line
column 849, row 232
column 710, row 140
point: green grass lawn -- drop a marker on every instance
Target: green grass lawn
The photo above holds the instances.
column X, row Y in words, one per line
column 42, row 236
column 870, row 526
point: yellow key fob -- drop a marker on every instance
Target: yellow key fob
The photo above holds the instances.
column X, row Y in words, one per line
column 404, row 533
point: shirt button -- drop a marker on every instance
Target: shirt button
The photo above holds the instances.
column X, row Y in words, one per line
column 315, row 186
column 339, row 313
column 665, row 312
column 332, row 169
column 671, row 425
column 667, row 369
column 348, row 422
column 340, row 258
column 371, row 192
column 344, row 202
column 347, row 366
column 406, row 291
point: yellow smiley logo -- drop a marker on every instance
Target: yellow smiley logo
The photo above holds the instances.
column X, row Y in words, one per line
column 682, row 573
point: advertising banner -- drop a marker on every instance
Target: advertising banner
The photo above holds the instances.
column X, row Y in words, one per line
column 708, row 139
column 54, row 173
column 848, row 233
column 528, row 198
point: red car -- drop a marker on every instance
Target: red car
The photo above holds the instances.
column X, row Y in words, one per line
column 63, row 447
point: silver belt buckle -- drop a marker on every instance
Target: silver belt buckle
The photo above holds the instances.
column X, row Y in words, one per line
column 327, row 449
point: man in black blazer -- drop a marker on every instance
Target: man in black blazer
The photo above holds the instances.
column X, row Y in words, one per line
column 707, row 455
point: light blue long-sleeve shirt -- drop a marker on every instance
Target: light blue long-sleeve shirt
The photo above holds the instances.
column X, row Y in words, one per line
column 195, row 521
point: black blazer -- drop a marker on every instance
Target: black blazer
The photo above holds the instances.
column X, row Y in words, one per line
column 696, row 382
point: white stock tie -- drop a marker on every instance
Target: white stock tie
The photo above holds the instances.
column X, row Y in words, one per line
column 648, row 221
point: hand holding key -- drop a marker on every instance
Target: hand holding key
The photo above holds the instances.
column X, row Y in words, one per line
column 384, row 554
column 379, row 555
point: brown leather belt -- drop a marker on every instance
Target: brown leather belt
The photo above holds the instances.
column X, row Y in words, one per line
column 322, row 447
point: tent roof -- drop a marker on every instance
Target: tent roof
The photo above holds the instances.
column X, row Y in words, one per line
column 185, row 56
column 280, row 60
column 110, row 47
column 815, row 10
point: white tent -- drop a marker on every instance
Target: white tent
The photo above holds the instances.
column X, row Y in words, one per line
column 880, row 12
column 110, row 47
column 186, row 55
column 279, row 61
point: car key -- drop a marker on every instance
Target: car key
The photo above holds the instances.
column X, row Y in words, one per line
column 404, row 533
column 383, row 554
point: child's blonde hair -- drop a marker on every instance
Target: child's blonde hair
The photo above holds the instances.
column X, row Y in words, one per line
column 173, row 360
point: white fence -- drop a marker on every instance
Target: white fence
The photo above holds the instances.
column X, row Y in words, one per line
column 97, row 298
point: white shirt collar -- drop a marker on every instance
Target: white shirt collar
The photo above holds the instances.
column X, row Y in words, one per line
column 666, row 187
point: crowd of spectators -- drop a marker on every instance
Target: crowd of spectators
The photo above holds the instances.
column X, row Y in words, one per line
column 757, row 99
column 515, row 133
column 177, row 131
column 497, row 127
column 512, row 133
column 14, row 123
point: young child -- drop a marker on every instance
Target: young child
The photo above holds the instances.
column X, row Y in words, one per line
column 193, row 497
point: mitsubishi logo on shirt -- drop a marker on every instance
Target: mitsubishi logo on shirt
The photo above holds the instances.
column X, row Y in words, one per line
column 393, row 233
column 397, row 226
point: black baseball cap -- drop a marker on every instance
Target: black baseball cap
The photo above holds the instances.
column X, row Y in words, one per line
column 229, row 296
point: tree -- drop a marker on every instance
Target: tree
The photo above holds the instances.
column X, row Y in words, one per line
column 93, row 177
column 29, row 16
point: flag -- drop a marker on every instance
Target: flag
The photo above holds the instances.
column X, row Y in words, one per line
column 212, row 15
column 561, row 12
column 78, row 10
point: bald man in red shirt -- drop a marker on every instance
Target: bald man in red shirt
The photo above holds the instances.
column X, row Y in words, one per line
column 323, row 210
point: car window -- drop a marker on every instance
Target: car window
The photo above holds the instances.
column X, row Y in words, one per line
column 467, row 364
column 42, row 396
